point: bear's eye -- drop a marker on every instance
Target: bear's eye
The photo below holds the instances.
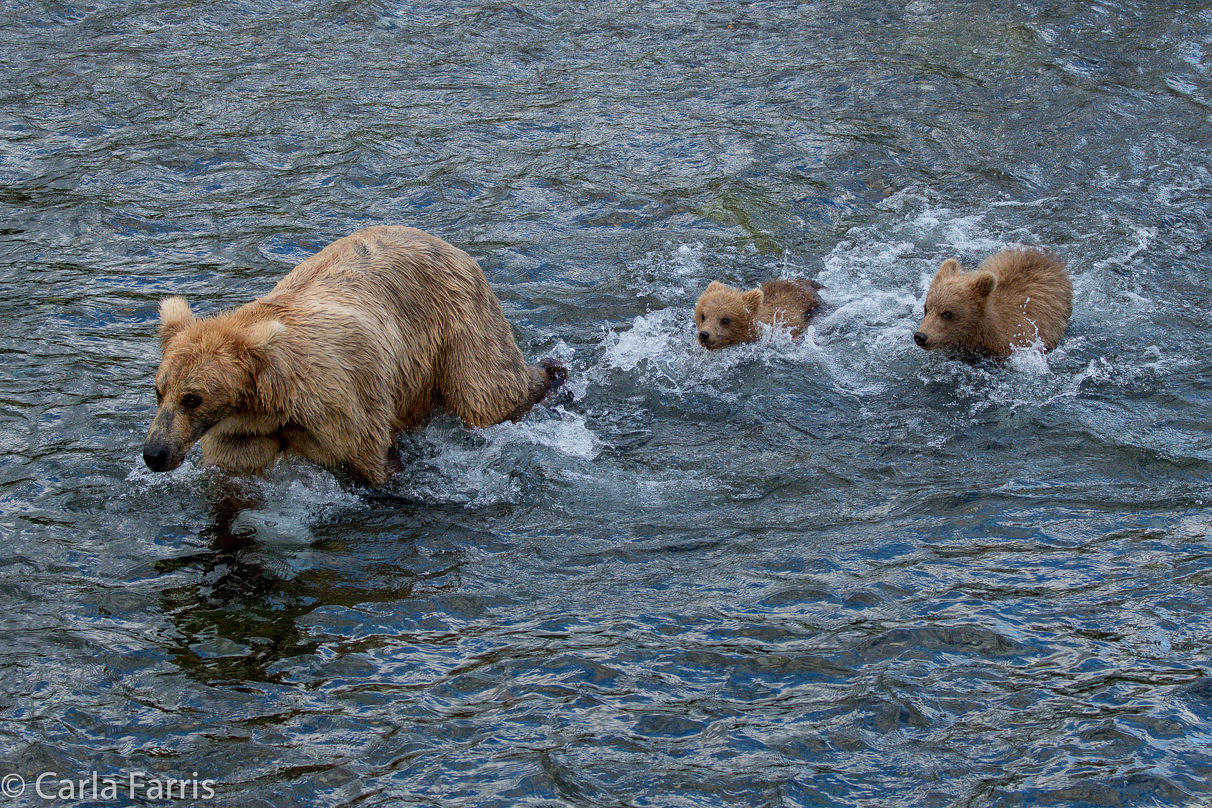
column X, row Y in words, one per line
column 191, row 401
column 947, row 315
column 702, row 317
column 725, row 320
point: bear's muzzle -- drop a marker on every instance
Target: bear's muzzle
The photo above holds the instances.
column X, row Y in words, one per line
column 157, row 456
column 160, row 451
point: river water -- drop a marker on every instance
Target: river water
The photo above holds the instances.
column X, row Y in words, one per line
column 837, row 571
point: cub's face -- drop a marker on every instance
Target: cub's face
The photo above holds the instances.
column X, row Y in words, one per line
column 954, row 307
column 724, row 316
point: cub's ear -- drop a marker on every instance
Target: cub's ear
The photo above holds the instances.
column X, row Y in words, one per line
column 716, row 286
column 752, row 300
column 984, row 284
column 174, row 316
column 949, row 268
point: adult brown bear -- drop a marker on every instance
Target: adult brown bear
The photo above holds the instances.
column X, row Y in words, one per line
column 355, row 344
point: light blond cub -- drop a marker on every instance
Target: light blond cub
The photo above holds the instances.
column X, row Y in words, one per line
column 1015, row 299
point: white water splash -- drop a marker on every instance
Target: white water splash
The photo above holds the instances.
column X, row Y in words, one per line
column 493, row 465
column 561, row 430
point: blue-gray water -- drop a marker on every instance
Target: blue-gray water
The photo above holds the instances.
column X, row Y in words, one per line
column 832, row 572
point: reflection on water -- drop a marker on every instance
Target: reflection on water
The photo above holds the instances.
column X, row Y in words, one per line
column 830, row 571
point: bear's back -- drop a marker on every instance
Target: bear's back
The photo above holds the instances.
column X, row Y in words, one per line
column 395, row 278
column 385, row 255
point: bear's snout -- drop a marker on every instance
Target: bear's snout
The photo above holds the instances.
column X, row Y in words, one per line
column 161, row 449
column 156, row 456
column 921, row 338
column 704, row 337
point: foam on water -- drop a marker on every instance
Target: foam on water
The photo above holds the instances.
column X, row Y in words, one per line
column 668, row 275
column 450, row 464
column 1030, row 360
column 652, row 337
column 557, row 429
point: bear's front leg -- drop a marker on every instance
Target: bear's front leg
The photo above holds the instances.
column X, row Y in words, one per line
column 240, row 454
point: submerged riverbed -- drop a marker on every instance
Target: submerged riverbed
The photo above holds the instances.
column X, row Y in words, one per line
column 836, row 571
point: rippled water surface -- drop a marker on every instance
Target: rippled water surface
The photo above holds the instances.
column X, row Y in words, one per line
column 837, row 571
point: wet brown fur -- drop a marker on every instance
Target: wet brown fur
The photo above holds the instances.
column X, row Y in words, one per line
column 355, row 344
column 725, row 316
column 1015, row 299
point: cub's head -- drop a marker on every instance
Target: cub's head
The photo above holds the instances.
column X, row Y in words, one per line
column 208, row 372
column 955, row 306
column 724, row 315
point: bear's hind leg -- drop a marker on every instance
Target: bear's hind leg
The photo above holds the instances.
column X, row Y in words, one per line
column 545, row 379
column 374, row 472
column 484, row 380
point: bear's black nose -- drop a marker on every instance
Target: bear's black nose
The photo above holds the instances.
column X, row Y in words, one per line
column 703, row 337
column 156, row 457
column 920, row 338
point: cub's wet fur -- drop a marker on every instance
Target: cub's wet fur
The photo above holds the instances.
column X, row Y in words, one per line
column 1015, row 299
column 726, row 316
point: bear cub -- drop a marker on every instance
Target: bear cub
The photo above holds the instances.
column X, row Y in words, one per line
column 725, row 316
column 1015, row 299
column 355, row 344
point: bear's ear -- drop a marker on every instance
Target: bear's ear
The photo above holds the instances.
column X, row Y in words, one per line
column 950, row 267
column 716, row 286
column 174, row 316
column 262, row 335
column 984, row 284
column 260, row 338
column 752, row 300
